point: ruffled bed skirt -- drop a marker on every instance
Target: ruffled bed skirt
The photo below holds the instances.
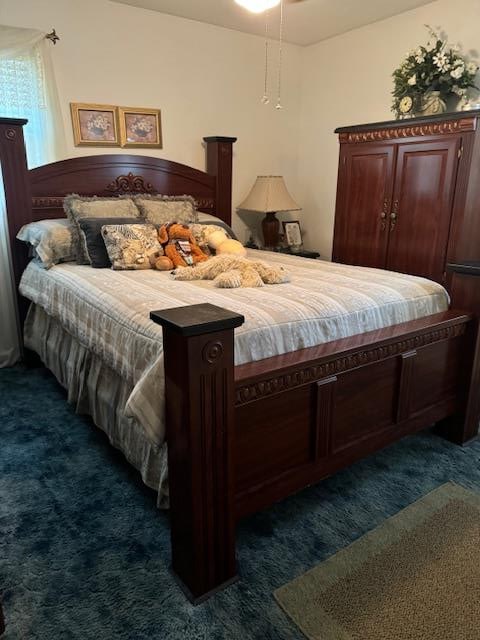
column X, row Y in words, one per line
column 98, row 391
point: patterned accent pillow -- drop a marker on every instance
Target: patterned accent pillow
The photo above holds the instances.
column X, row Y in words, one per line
column 52, row 241
column 164, row 209
column 129, row 246
column 77, row 207
column 92, row 232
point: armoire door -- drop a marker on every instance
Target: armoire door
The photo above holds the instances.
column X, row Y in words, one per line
column 363, row 203
column 422, row 206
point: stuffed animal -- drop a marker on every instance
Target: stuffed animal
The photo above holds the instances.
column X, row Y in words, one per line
column 221, row 244
column 230, row 272
column 160, row 262
column 179, row 245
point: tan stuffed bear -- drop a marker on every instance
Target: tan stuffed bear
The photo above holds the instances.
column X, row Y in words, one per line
column 228, row 271
column 221, row 244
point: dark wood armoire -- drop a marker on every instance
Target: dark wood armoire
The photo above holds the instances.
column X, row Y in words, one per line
column 408, row 197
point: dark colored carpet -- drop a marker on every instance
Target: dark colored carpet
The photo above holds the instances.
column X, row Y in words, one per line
column 84, row 553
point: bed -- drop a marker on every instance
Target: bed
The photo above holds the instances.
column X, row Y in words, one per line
column 263, row 392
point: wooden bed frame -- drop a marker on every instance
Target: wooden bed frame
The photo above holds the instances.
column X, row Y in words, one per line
column 242, row 437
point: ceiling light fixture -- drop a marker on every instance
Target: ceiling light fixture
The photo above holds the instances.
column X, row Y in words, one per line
column 258, row 6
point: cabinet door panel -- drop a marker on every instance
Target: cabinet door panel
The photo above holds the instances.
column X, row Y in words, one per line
column 364, row 195
column 423, row 199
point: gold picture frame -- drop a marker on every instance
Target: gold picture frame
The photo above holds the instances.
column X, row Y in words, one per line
column 140, row 127
column 95, row 124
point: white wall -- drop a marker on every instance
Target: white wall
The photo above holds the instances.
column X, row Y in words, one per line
column 347, row 80
column 206, row 80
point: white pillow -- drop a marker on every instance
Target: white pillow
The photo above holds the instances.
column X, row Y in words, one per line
column 51, row 240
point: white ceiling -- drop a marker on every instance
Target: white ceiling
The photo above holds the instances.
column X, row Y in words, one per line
column 307, row 22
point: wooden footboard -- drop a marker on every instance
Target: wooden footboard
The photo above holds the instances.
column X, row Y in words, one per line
column 243, row 437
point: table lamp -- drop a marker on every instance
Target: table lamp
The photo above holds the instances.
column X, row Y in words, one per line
column 269, row 195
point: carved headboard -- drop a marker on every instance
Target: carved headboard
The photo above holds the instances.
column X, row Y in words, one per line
column 38, row 193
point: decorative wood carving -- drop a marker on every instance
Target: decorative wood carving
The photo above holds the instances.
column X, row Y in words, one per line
column 205, row 203
column 130, row 183
column 408, row 131
column 47, row 202
column 10, row 134
column 212, row 352
column 277, row 384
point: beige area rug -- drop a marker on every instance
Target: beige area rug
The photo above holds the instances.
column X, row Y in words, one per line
column 415, row 577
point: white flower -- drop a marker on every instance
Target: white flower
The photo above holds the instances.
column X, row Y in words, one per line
column 412, row 81
column 441, row 62
column 457, row 72
column 460, row 92
column 472, row 68
column 419, row 57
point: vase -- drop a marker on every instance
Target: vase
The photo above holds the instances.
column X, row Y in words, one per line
column 454, row 102
column 431, row 104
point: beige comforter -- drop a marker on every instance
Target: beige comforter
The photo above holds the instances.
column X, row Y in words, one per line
column 108, row 312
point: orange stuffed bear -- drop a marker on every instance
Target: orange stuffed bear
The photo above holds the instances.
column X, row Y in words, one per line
column 179, row 245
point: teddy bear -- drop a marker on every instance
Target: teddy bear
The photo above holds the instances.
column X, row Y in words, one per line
column 230, row 272
column 212, row 239
column 179, row 245
column 221, row 244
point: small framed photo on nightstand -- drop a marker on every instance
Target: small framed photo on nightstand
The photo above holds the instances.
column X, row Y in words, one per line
column 293, row 234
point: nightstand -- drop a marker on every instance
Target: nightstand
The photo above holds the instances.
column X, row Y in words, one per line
column 303, row 253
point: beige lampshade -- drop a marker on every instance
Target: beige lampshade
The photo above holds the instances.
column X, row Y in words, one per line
column 269, row 193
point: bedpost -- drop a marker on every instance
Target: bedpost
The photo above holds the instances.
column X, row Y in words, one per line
column 463, row 427
column 199, row 390
column 219, row 164
column 13, row 162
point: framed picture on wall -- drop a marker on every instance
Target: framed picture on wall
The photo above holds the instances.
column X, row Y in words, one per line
column 292, row 233
column 140, row 127
column 94, row 124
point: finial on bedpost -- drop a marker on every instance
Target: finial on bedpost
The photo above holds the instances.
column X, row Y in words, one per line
column 16, row 183
column 219, row 164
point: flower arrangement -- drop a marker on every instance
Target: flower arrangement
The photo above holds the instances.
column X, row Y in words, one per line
column 98, row 124
column 141, row 126
column 436, row 66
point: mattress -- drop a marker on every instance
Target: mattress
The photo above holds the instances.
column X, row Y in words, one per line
column 107, row 312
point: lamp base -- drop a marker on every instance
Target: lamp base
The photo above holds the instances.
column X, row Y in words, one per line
column 270, row 228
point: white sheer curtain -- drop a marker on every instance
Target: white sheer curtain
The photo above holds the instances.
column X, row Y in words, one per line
column 27, row 90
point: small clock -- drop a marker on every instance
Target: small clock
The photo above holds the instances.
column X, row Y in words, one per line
column 406, row 104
